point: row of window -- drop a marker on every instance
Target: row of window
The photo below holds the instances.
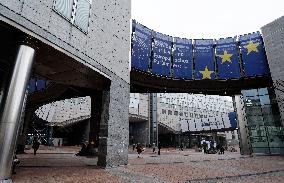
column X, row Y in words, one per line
column 76, row 12
column 186, row 114
column 186, row 108
column 196, row 101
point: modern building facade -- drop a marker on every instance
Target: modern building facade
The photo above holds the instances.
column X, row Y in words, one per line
column 82, row 45
column 178, row 113
column 260, row 127
column 273, row 41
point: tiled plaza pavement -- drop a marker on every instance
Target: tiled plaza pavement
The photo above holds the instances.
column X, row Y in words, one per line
column 60, row 165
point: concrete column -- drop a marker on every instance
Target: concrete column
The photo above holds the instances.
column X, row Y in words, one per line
column 96, row 108
column 114, row 126
column 10, row 119
column 86, row 135
column 243, row 131
column 273, row 37
column 50, row 136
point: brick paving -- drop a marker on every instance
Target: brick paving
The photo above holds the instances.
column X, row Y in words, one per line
column 61, row 165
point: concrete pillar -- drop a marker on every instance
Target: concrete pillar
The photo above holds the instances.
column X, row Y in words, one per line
column 96, row 108
column 243, row 131
column 114, row 126
column 14, row 101
column 86, row 135
column 50, row 136
column 273, row 37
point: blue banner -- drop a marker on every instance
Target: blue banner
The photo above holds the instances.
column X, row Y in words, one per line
column 182, row 58
column 141, row 47
column 40, row 84
column 204, row 59
column 32, row 86
column 253, row 55
column 227, row 59
column 233, row 119
column 162, row 48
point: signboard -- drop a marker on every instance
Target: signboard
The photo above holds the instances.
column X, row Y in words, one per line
column 204, row 59
column 253, row 55
column 162, row 49
column 227, row 58
column 182, row 58
column 141, row 47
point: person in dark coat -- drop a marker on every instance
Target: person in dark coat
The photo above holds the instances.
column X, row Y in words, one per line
column 154, row 148
column 35, row 145
column 159, row 148
column 16, row 161
column 222, row 150
column 139, row 149
column 181, row 146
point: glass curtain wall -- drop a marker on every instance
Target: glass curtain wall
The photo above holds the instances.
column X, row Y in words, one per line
column 263, row 121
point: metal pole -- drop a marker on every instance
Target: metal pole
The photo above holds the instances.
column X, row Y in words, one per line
column 10, row 120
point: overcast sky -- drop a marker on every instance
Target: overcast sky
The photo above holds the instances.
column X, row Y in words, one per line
column 206, row 18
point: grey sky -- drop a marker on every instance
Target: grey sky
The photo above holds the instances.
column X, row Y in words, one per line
column 206, row 18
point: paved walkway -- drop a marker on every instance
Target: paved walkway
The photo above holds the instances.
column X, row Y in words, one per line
column 61, row 165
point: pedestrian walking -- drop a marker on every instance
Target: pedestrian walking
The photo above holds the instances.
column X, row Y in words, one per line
column 35, row 145
column 181, row 146
column 139, row 149
column 154, row 147
column 16, row 161
column 222, row 150
column 159, row 148
column 133, row 146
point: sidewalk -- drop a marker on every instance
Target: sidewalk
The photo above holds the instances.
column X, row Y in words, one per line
column 60, row 165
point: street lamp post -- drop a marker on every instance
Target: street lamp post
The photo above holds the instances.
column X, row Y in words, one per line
column 188, row 134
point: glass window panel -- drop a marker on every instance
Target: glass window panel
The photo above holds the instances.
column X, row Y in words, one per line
column 252, row 101
column 266, row 109
column 176, row 113
column 248, row 93
column 268, row 120
column 186, row 114
column 260, row 150
column 263, row 91
column 83, row 14
column 254, row 120
column 264, row 100
column 64, row 7
column 253, row 110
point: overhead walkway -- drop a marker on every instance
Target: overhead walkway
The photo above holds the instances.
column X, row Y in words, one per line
column 161, row 63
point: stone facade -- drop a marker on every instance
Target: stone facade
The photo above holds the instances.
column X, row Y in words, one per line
column 104, row 48
column 245, row 145
column 273, row 36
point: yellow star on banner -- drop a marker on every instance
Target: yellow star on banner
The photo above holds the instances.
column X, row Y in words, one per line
column 226, row 57
column 251, row 47
column 206, row 73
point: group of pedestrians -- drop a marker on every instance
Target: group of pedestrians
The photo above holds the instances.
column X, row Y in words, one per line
column 140, row 149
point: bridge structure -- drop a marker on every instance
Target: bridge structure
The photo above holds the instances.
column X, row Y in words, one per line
column 83, row 48
column 224, row 66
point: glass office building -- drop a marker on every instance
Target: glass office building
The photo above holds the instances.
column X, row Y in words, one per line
column 266, row 133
